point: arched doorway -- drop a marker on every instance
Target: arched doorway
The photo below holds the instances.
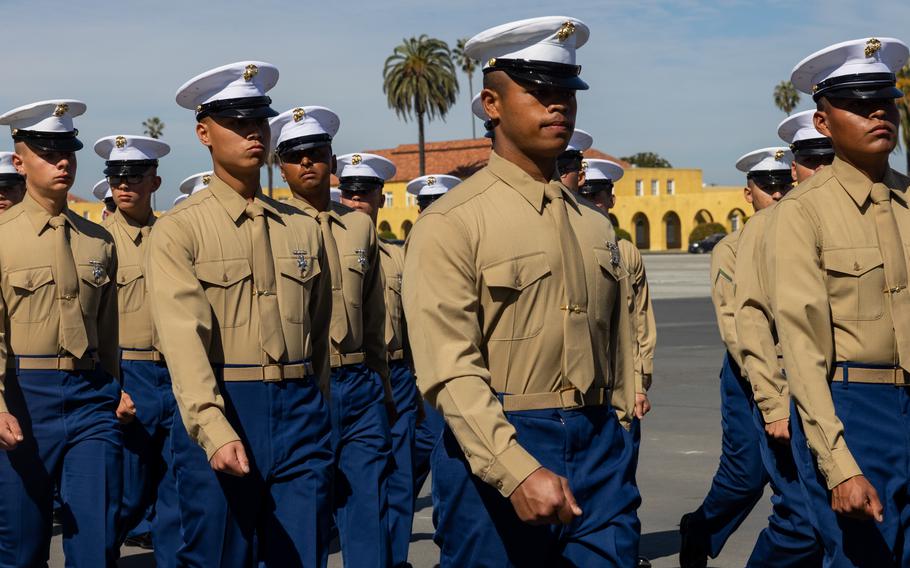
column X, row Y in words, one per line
column 406, row 229
column 672, row 230
column 736, row 218
column 703, row 216
column 642, row 231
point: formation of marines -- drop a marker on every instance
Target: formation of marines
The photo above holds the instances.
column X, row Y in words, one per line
column 253, row 377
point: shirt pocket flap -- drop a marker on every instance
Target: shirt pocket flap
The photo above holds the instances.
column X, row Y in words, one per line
column 128, row 274
column 852, row 262
column 517, row 273
column 223, row 273
column 301, row 270
column 31, row 279
column 94, row 275
column 605, row 257
column 394, row 283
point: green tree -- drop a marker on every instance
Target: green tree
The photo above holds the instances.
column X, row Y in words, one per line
column 647, row 160
column 786, row 97
column 419, row 81
column 153, row 127
column 468, row 66
column 903, row 104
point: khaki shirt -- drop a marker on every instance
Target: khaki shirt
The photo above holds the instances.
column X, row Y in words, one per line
column 759, row 349
column 723, row 268
column 137, row 331
column 827, row 290
column 483, row 287
column 361, row 280
column 644, row 328
column 29, row 311
column 201, row 289
column 391, row 257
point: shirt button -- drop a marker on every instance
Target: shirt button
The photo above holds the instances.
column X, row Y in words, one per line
column 855, row 266
column 224, row 278
column 518, row 281
column 499, row 484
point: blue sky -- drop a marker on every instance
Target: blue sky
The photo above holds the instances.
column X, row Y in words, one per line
column 691, row 80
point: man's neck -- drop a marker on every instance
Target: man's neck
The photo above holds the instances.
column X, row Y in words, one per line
column 319, row 198
column 873, row 166
column 541, row 169
column 244, row 183
column 53, row 202
column 139, row 216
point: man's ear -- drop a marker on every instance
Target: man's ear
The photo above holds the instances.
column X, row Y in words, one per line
column 202, row 133
column 747, row 194
column 820, row 119
column 18, row 163
column 581, row 177
column 793, row 169
column 157, row 183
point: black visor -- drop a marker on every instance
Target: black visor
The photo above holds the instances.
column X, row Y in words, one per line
column 128, row 167
column 813, row 147
column 595, row 186
column 360, row 184
column 304, row 143
column 49, row 141
column 768, row 178
column 424, row 201
column 244, row 107
column 559, row 75
column 11, row 179
column 858, row 86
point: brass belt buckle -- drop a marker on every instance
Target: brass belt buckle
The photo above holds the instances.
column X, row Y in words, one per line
column 273, row 373
column 571, row 398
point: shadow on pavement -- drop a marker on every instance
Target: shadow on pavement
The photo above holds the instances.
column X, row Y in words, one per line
column 143, row 560
column 659, row 544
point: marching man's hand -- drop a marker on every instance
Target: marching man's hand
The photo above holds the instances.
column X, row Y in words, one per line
column 231, row 459
column 10, row 432
column 545, row 498
column 857, row 499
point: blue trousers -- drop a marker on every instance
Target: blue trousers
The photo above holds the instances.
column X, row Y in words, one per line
column 428, row 435
column 876, row 422
column 72, row 439
column 740, row 479
column 401, row 480
column 148, row 460
column 479, row 527
column 790, row 539
column 279, row 514
column 363, row 462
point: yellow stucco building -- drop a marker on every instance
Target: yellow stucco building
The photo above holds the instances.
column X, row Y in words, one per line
column 659, row 207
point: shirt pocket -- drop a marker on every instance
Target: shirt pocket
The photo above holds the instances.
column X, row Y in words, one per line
column 130, row 289
column 34, row 294
column 93, row 277
column 518, row 297
column 295, row 286
column 228, row 288
column 353, row 267
column 856, row 283
column 609, row 276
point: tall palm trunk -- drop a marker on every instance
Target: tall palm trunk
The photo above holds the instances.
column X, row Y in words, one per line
column 420, row 141
column 470, row 110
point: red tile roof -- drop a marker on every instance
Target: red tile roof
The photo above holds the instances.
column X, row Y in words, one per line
column 460, row 158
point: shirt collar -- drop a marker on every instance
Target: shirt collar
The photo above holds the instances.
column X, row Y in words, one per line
column 234, row 203
column 39, row 216
column 132, row 228
column 859, row 187
column 529, row 188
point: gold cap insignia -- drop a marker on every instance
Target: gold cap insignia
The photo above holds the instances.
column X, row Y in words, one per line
column 249, row 72
column 198, row 108
column 565, row 31
column 779, row 155
column 584, row 164
column 491, row 62
column 872, row 47
column 431, row 180
column 814, row 89
column 206, row 179
column 15, row 131
column 356, row 159
column 299, row 113
column 120, row 141
column 61, row 109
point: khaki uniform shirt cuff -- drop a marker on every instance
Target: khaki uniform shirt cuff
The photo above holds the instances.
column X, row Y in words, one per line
column 647, row 367
column 509, row 469
column 838, row 466
column 216, row 435
column 3, row 407
column 775, row 409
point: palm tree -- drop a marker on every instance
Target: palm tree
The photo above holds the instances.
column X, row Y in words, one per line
column 903, row 104
column 468, row 65
column 153, row 127
column 419, row 80
column 786, row 97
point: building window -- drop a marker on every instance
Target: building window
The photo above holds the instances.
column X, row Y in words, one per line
column 410, row 200
column 389, row 198
column 639, row 188
column 655, row 187
column 671, row 187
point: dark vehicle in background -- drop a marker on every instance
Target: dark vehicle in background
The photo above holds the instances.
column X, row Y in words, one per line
column 707, row 244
